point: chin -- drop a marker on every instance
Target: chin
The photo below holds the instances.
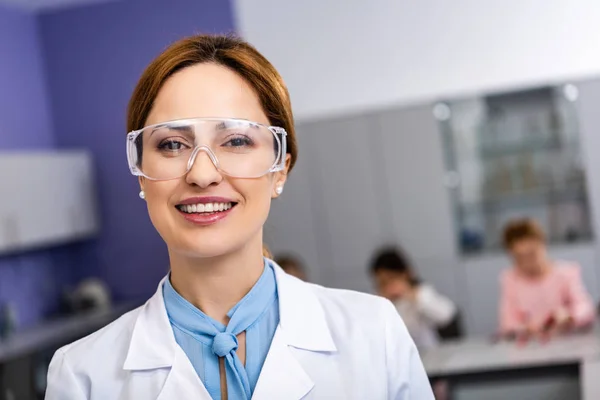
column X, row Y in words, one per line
column 205, row 247
column 202, row 251
column 207, row 243
column 210, row 240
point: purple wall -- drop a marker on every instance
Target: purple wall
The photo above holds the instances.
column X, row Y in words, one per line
column 25, row 121
column 31, row 281
column 94, row 56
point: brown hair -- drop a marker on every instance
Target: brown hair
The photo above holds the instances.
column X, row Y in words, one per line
column 287, row 261
column 521, row 229
column 230, row 52
column 266, row 252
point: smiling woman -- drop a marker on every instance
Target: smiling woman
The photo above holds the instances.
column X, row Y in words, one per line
column 211, row 140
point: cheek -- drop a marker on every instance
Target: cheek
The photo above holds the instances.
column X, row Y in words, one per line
column 396, row 287
column 257, row 196
column 389, row 288
column 157, row 199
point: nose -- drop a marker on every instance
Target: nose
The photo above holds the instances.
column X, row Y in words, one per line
column 203, row 171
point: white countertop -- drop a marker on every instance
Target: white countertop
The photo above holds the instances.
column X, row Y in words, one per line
column 479, row 355
column 58, row 332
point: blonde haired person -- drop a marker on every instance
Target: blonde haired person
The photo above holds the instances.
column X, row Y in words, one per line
column 533, row 276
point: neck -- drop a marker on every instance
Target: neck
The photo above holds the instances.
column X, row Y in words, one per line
column 545, row 267
column 216, row 284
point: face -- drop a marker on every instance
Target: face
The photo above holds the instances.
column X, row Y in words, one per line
column 209, row 90
column 529, row 256
column 391, row 285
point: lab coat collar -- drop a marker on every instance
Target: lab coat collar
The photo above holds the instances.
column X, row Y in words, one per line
column 152, row 343
column 301, row 315
column 302, row 325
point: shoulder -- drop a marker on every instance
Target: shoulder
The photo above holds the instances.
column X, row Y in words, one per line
column 352, row 305
column 426, row 291
column 368, row 330
column 567, row 270
column 428, row 296
column 508, row 276
column 109, row 343
column 96, row 358
column 360, row 316
column 341, row 307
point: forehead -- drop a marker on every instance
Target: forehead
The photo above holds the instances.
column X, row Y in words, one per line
column 386, row 274
column 525, row 245
column 206, row 90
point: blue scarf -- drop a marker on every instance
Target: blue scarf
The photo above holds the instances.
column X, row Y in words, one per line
column 204, row 339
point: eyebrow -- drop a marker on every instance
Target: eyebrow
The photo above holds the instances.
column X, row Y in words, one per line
column 187, row 129
column 247, row 124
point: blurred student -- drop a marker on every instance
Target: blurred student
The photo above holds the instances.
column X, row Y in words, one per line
column 539, row 296
column 422, row 308
column 292, row 266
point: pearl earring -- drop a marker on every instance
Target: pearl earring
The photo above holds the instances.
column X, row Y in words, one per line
column 142, row 195
column 279, row 189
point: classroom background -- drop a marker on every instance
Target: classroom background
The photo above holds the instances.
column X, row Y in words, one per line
column 426, row 125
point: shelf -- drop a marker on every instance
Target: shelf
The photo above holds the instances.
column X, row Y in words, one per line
column 531, row 197
column 511, row 155
column 551, row 242
column 556, row 140
column 488, row 151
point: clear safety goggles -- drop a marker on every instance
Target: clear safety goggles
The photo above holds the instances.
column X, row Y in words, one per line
column 237, row 148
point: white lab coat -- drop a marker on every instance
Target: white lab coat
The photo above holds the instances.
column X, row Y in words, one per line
column 330, row 344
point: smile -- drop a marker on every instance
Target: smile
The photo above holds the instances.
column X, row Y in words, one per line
column 204, row 211
column 204, row 208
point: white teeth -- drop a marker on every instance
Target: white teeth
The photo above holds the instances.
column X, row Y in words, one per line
column 208, row 207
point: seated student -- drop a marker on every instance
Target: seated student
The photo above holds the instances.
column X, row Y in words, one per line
column 291, row 265
column 422, row 308
column 539, row 296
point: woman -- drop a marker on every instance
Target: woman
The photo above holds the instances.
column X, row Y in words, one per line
column 423, row 309
column 539, row 296
column 212, row 140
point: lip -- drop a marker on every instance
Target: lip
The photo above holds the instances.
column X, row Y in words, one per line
column 205, row 199
column 206, row 219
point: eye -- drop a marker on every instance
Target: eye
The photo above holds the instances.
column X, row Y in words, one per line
column 171, row 145
column 239, row 141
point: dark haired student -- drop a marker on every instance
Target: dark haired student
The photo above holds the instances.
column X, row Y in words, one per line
column 424, row 311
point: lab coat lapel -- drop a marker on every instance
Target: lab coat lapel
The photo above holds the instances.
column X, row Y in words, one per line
column 282, row 377
column 183, row 382
column 302, row 328
column 159, row 369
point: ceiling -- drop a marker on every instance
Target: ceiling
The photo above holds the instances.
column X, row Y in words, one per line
column 43, row 5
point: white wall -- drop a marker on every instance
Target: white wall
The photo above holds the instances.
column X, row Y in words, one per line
column 340, row 56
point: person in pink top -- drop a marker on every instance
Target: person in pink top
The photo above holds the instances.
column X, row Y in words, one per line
column 540, row 296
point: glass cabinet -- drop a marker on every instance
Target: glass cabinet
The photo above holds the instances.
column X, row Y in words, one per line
column 515, row 155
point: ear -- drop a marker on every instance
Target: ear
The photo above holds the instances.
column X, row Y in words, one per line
column 280, row 177
column 141, row 181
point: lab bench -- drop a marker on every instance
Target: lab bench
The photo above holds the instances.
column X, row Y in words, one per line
column 24, row 356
